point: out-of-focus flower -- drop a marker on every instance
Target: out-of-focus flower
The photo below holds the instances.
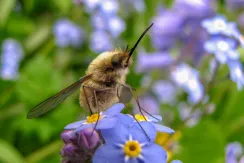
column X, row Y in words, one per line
column 100, row 41
column 129, row 145
column 223, row 48
column 79, row 146
column 192, row 9
column 169, row 142
column 176, row 161
column 67, row 33
column 186, row 114
column 167, row 28
column 188, row 78
column 218, row 25
column 149, row 61
column 235, row 4
column 104, row 120
column 128, row 5
column 148, row 103
column 165, row 91
column 241, row 20
column 233, row 152
column 12, row 53
column 236, row 73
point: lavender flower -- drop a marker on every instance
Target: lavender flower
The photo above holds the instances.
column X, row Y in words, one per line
column 188, row 78
column 67, row 33
column 235, row 4
column 236, row 73
column 148, row 61
column 12, row 53
column 233, row 151
column 100, row 41
column 148, row 103
column 194, row 9
column 80, row 146
column 165, row 91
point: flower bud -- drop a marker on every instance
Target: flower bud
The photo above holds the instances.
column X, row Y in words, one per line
column 69, row 150
column 68, row 136
column 88, row 138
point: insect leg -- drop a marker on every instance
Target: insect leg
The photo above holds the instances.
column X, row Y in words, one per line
column 83, row 87
column 98, row 113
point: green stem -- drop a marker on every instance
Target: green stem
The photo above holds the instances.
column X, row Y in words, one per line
column 42, row 153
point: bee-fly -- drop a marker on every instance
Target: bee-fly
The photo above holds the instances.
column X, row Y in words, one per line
column 101, row 87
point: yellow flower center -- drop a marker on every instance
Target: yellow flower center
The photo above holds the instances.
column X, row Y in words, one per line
column 139, row 117
column 132, row 148
column 93, row 118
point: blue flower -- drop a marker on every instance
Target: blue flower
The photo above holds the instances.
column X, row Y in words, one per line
column 236, row 73
column 12, row 53
column 67, row 33
column 129, row 121
column 218, row 25
column 233, row 152
column 109, row 7
column 107, row 119
column 197, row 9
column 166, row 30
column 148, row 61
column 100, row 41
column 223, row 48
column 129, row 145
column 165, row 91
column 188, row 79
column 176, row 161
column 149, row 103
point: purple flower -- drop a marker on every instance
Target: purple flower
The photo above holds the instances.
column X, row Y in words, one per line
column 104, row 120
column 235, row 4
column 67, row 33
column 148, row 103
column 129, row 145
column 218, row 25
column 188, row 78
column 223, row 48
column 236, row 73
column 148, row 61
column 233, row 151
column 165, row 91
column 100, row 41
column 196, row 9
column 109, row 7
column 12, row 53
column 167, row 28
column 241, row 20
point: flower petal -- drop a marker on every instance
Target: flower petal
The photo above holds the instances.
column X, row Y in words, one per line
column 176, row 161
column 154, row 153
column 116, row 135
column 114, row 110
column 126, row 119
column 143, row 132
column 108, row 153
column 154, row 118
column 74, row 125
column 162, row 128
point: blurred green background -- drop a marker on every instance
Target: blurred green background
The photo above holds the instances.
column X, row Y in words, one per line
column 47, row 68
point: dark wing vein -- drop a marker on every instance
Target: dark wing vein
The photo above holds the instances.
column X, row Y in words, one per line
column 55, row 100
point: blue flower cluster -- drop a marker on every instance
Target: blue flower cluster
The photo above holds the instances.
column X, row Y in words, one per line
column 68, row 34
column 223, row 42
column 234, row 153
column 12, row 54
column 124, row 138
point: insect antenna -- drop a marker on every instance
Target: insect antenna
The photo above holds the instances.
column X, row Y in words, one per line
column 137, row 42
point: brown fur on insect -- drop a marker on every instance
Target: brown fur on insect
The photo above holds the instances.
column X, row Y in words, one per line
column 109, row 71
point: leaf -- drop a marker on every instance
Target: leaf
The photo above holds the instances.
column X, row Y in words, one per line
column 202, row 143
column 6, row 6
column 9, row 154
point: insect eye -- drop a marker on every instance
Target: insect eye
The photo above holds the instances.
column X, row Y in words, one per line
column 116, row 62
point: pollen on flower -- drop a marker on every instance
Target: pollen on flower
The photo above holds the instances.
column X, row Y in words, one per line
column 139, row 117
column 132, row 148
column 93, row 118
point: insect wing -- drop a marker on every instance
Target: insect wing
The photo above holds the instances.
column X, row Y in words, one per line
column 55, row 100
